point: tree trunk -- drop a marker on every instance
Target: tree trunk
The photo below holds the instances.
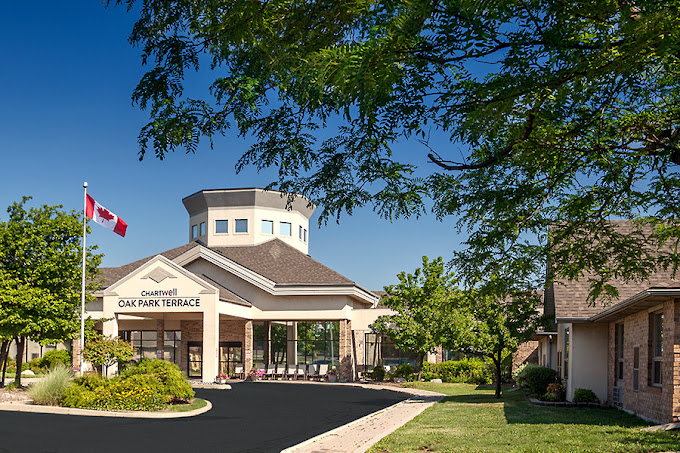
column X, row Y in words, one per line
column 4, row 356
column 421, row 359
column 21, row 342
column 498, row 362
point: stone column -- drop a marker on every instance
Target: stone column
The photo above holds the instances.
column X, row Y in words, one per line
column 291, row 350
column 160, row 338
column 248, row 347
column 345, row 366
column 211, row 342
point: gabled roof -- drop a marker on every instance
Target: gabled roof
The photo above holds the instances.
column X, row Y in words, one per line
column 570, row 297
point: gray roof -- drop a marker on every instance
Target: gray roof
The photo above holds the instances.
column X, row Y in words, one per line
column 274, row 260
column 283, row 264
column 570, row 297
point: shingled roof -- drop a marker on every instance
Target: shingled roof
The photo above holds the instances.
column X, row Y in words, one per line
column 570, row 297
column 274, row 260
column 283, row 264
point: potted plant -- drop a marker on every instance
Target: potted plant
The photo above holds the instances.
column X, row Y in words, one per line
column 333, row 375
column 557, row 391
column 221, row 378
column 255, row 374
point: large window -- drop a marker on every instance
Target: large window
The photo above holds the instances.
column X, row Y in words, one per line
column 296, row 342
column 381, row 350
column 656, row 321
column 172, row 341
column 145, row 344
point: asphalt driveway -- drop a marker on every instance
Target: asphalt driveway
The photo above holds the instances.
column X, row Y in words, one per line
column 252, row 417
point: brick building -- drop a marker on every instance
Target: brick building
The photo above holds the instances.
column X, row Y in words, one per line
column 628, row 353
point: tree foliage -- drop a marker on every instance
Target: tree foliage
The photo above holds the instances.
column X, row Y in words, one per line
column 40, row 275
column 418, row 301
column 521, row 115
column 108, row 351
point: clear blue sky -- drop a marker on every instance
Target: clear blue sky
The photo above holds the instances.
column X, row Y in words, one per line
column 66, row 75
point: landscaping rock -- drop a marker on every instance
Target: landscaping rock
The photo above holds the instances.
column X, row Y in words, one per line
column 399, row 380
column 27, row 373
column 436, row 381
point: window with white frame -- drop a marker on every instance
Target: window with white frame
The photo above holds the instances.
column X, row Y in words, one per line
column 241, row 226
column 221, row 226
column 267, row 227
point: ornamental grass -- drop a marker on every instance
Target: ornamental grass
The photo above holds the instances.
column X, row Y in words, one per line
column 49, row 390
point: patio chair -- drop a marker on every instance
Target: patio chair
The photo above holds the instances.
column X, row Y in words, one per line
column 312, row 371
column 239, row 371
column 291, row 371
column 280, row 371
column 301, row 372
column 271, row 371
column 323, row 371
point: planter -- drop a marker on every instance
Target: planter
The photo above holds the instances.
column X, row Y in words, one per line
column 252, row 378
column 332, row 378
column 222, row 381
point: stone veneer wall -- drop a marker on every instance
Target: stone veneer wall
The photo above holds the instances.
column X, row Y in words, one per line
column 345, row 367
column 657, row 403
column 526, row 353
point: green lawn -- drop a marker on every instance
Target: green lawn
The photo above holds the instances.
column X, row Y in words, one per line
column 470, row 419
column 196, row 403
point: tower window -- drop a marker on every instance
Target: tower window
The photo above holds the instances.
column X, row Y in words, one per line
column 267, row 227
column 202, row 228
column 241, row 226
column 221, row 226
column 285, row 229
column 194, row 231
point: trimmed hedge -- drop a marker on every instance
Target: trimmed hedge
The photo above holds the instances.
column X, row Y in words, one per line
column 585, row 396
column 470, row 371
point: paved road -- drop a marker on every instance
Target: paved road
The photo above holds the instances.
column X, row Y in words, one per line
column 252, row 417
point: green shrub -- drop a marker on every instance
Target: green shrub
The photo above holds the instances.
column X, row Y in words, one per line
column 378, row 373
column 50, row 389
column 471, row 371
column 404, row 370
column 78, row 396
column 57, row 356
column 585, row 396
column 537, row 378
column 165, row 377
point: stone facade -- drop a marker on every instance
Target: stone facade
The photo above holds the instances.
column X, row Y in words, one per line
column 657, row 402
column 526, row 353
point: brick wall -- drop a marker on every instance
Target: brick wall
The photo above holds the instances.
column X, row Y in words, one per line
column 191, row 331
column 526, row 353
column 657, row 403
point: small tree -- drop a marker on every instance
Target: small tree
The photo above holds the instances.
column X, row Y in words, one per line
column 491, row 324
column 107, row 351
column 418, row 299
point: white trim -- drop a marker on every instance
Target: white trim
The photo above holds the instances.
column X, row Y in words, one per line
column 270, row 286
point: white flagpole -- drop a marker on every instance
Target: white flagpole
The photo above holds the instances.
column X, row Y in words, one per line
column 82, row 295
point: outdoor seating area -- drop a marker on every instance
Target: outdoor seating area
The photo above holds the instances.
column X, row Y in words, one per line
column 311, row 372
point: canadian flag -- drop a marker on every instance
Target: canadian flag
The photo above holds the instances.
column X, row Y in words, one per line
column 104, row 217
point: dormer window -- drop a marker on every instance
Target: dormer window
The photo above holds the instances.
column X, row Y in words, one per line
column 241, row 226
column 267, row 227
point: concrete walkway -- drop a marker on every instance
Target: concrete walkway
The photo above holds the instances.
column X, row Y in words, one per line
column 360, row 435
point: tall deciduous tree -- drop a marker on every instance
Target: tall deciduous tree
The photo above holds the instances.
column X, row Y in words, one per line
column 40, row 275
column 521, row 114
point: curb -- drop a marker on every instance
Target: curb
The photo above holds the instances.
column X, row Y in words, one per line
column 23, row 406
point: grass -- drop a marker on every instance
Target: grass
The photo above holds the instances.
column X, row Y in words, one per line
column 196, row 403
column 471, row 420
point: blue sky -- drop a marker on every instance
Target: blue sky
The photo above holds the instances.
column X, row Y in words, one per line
column 66, row 75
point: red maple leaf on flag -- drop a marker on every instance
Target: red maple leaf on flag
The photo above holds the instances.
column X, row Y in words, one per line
column 104, row 214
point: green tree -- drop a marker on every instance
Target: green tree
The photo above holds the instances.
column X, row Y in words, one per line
column 40, row 275
column 419, row 300
column 520, row 114
column 491, row 324
column 107, row 351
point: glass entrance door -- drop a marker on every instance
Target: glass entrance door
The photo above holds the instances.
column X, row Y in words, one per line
column 195, row 359
column 230, row 356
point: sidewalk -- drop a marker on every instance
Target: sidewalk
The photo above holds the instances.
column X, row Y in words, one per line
column 360, row 435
